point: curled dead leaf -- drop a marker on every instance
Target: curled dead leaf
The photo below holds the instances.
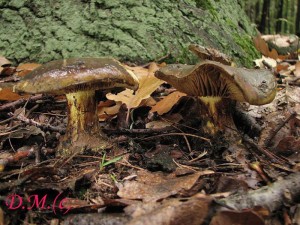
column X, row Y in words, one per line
column 147, row 85
column 166, row 104
column 263, row 47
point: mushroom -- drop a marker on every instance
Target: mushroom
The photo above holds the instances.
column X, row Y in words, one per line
column 219, row 86
column 78, row 79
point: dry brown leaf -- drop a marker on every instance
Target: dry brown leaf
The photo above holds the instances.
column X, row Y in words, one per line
column 247, row 217
column 166, row 121
column 147, row 85
column 259, row 62
column 24, row 69
column 152, row 187
column 138, row 71
column 166, row 104
column 193, row 211
column 4, row 61
column 106, row 103
column 282, row 41
column 262, row 46
column 158, row 124
column 7, row 94
column 104, row 112
column 282, row 66
column 148, row 102
column 297, row 69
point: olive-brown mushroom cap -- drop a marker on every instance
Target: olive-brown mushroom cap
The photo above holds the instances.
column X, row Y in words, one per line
column 209, row 78
column 77, row 74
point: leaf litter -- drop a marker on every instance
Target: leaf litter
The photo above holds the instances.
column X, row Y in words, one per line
column 162, row 171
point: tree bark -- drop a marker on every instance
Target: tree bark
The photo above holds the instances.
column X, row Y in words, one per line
column 279, row 16
column 286, row 14
column 298, row 19
column 271, row 197
column 130, row 30
column 265, row 16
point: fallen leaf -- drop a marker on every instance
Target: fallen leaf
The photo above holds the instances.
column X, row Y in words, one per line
column 147, row 85
column 262, row 46
column 282, row 66
column 228, row 184
column 172, row 211
column 7, row 94
column 24, row 69
column 108, row 111
column 165, row 122
column 148, row 102
column 7, row 71
column 282, row 41
column 287, row 146
column 166, row 104
column 138, row 71
column 106, row 103
column 151, row 187
column 4, row 61
column 259, row 62
column 247, row 217
column 158, row 124
column 297, row 69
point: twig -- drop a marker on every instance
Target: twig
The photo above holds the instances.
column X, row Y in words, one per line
column 185, row 138
column 178, row 134
column 138, row 131
column 37, row 124
column 262, row 150
column 22, row 101
column 9, row 79
column 16, row 157
column 272, row 196
column 278, row 127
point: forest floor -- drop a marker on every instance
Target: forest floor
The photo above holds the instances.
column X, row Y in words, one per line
column 163, row 168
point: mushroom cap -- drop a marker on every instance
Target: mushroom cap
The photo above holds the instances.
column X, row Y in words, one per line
column 77, row 74
column 209, row 78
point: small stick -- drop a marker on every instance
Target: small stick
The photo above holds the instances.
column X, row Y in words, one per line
column 178, row 134
column 21, row 102
column 139, row 131
column 186, row 140
column 264, row 151
column 37, row 124
column 10, row 78
column 16, row 157
column 277, row 129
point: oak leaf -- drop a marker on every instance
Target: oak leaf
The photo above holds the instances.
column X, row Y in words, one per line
column 166, row 104
column 148, row 83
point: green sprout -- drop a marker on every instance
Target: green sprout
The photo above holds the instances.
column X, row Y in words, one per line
column 104, row 162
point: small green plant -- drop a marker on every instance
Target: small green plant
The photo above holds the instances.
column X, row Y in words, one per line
column 113, row 177
column 104, row 162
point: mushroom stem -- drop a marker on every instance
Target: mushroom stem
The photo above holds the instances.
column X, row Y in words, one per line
column 82, row 114
column 219, row 111
column 83, row 130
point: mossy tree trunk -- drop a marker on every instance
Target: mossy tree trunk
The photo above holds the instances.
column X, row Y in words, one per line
column 131, row 30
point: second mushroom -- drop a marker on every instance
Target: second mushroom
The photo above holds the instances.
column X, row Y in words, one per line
column 218, row 86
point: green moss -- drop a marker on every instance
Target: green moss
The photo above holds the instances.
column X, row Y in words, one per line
column 246, row 44
column 133, row 30
column 208, row 6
